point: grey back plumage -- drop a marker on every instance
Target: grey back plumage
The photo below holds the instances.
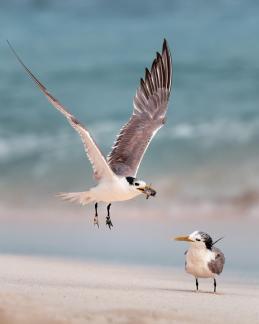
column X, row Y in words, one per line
column 216, row 266
column 150, row 106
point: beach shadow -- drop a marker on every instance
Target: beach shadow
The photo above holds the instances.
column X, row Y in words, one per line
column 77, row 285
column 191, row 291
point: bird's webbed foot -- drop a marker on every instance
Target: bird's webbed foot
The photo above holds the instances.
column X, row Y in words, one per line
column 96, row 222
column 108, row 218
column 109, row 222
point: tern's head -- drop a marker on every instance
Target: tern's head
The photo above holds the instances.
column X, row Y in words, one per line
column 140, row 186
column 197, row 239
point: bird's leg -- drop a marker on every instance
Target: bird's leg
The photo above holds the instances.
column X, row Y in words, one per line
column 197, row 284
column 96, row 215
column 215, row 285
column 108, row 218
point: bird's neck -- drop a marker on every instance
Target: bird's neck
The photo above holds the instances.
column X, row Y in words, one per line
column 201, row 247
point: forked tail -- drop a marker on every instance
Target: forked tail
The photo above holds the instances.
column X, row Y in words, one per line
column 83, row 198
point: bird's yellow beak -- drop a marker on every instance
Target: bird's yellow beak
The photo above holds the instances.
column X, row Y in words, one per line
column 147, row 190
column 182, row 238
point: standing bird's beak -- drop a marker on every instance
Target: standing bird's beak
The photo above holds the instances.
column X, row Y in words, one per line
column 148, row 191
column 182, row 238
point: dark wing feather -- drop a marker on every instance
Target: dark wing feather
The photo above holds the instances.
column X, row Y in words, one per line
column 216, row 265
column 150, row 106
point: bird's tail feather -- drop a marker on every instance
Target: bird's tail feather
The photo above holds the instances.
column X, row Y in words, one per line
column 83, row 198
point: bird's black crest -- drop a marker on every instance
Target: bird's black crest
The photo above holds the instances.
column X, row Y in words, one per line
column 130, row 180
column 217, row 240
column 206, row 239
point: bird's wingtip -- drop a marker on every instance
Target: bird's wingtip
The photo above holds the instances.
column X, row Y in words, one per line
column 165, row 45
column 9, row 44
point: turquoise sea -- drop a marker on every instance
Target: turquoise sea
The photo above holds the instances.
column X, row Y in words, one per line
column 91, row 54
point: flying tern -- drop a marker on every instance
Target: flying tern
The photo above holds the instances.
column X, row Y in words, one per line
column 116, row 174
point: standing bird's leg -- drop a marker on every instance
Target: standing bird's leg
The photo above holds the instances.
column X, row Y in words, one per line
column 215, row 285
column 197, row 284
column 108, row 218
column 96, row 215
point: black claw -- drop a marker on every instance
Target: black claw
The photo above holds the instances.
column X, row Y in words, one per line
column 108, row 218
column 109, row 222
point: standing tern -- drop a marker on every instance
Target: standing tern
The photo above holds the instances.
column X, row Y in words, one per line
column 116, row 174
column 202, row 259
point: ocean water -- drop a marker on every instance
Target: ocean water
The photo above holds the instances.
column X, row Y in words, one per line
column 91, row 55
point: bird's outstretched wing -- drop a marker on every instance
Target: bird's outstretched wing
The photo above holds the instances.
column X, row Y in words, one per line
column 149, row 110
column 100, row 166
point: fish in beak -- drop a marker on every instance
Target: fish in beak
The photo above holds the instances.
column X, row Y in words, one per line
column 148, row 191
column 183, row 238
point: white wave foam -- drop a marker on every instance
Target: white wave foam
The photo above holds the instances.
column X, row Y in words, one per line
column 18, row 146
column 216, row 131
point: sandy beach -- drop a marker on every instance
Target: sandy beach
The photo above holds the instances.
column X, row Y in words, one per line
column 46, row 290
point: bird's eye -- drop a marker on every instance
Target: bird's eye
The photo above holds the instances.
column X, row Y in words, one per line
column 136, row 184
column 197, row 239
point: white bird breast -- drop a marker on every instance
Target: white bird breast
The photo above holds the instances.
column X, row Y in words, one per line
column 197, row 260
column 116, row 190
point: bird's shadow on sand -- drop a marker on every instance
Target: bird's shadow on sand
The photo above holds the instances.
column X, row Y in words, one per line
column 188, row 291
